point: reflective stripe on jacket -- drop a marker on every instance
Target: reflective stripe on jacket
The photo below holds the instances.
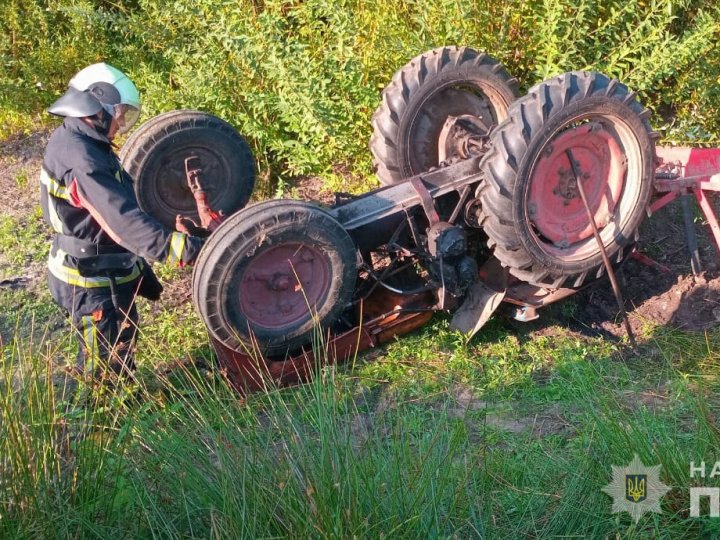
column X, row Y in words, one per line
column 64, row 267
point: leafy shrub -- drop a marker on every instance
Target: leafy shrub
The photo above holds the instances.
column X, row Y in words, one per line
column 659, row 49
column 301, row 79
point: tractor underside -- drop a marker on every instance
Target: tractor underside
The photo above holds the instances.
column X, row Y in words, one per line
column 489, row 199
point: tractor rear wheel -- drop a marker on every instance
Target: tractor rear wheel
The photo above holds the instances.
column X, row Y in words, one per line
column 447, row 81
column 272, row 274
column 154, row 156
column 578, row 127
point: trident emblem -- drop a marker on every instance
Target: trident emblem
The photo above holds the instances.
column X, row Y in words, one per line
column 636, row 487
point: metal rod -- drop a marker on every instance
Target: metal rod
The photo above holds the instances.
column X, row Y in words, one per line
column 606, row 259
column 709, row 215
column 379, row 281
column 690, row 234
column 664, row 200
column 463, row 197
column 442, row 290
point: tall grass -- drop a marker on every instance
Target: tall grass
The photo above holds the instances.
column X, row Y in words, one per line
column 181, row 454
column 189, row 457
column 59, row 468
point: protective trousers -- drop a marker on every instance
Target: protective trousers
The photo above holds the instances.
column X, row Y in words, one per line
column 106, row 333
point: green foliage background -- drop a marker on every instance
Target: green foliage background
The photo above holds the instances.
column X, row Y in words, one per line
column 301, row 79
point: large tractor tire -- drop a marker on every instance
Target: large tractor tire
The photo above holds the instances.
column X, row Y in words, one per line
column 448, row 81
column 155, row 154
column 272, row 274
column 534, row 216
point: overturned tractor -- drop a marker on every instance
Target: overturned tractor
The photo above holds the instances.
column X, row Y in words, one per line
column 487, row 197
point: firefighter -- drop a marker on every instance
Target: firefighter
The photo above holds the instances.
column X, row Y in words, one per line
column 97, row 264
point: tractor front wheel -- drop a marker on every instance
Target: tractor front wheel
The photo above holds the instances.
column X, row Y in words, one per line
column 154, row 156
column 273, row 274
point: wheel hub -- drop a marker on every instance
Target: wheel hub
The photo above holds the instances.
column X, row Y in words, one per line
column 567, row 187
column 172, row 187
column 554, row 204
column 283, row 284
column 280, row 282
column 424, row 134
column 461, row 137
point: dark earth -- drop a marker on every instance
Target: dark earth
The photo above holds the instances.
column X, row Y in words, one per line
column 665, row 293
column 661, row 294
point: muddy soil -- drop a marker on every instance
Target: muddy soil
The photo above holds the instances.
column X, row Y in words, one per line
column 661, row 290
column 665, row 293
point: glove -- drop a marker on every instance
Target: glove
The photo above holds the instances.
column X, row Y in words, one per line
column 150, row 286
column 188, row 226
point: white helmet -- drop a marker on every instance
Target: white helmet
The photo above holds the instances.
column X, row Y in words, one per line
column 97, row 87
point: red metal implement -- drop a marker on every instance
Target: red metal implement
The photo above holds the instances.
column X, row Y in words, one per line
column 209, row 218
column 694, row 171
column 384, row 315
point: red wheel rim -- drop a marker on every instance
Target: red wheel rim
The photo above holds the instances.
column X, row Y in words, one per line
column 554, row 204
column 284, row 284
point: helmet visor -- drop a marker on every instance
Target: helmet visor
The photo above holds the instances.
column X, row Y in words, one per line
column 126, row 116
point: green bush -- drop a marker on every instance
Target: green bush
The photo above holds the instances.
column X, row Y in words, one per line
column 301, row 79
column 664, row 50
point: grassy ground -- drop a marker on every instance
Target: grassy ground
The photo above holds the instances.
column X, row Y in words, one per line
column 510, row 436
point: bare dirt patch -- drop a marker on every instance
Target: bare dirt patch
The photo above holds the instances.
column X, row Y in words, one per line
column 312, row 188
column 20, row 159
column 653, row 399
column 542, row 423
column 662, row 294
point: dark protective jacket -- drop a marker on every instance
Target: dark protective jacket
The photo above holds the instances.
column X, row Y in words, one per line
column 89, row 201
